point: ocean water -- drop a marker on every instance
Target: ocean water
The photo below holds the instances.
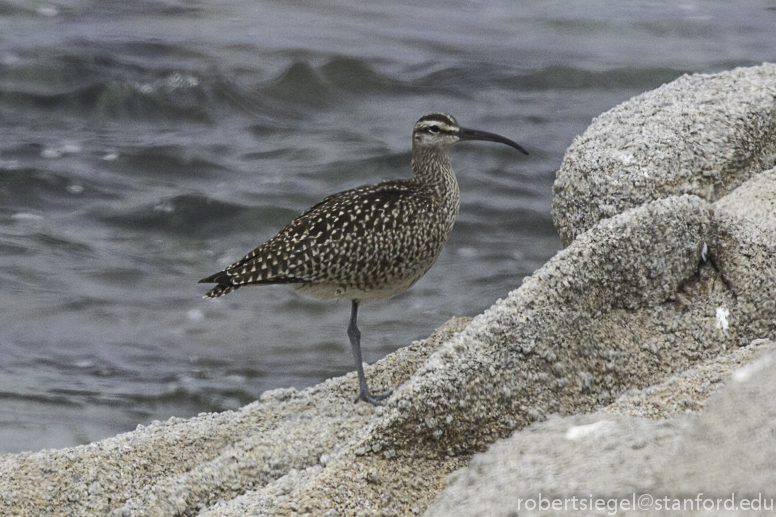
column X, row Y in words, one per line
column 147, row 144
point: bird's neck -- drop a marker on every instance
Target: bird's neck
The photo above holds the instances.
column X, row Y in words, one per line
column 432, row 168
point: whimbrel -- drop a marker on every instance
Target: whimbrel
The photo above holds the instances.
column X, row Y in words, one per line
column 367, row 243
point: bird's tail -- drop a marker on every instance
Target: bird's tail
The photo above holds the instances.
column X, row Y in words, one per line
column 224, row 285
column 220, row 290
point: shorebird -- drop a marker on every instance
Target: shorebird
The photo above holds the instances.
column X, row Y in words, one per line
column 368, row 243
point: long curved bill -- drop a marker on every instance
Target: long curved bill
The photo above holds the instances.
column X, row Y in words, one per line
column 476, row 134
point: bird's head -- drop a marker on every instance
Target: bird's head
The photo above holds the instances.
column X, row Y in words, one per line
column 440, row 130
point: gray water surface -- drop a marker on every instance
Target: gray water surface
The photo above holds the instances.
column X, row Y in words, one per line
column 147, row 144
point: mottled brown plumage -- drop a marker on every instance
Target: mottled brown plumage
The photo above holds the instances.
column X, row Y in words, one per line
column 368, row 243
column 358, row 244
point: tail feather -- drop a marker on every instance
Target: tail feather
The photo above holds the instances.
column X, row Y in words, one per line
column 220, row 290
column 224, row 281
column 222, row 277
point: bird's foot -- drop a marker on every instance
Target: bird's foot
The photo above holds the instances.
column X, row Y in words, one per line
column 372, row 399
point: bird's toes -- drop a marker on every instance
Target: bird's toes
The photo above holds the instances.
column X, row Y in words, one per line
column 373, row 399
column 382, row 396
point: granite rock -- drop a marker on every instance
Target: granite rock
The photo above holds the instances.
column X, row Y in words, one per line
column 700, row 134
column 616, row 456
column 743, row 247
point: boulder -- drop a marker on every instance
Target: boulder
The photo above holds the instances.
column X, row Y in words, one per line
column 622, row 460
column 743, row 247
column 700, row 134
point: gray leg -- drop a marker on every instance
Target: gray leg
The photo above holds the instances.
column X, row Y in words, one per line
column 355, row 344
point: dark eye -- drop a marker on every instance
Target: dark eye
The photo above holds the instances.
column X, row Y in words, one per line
column 433, row 130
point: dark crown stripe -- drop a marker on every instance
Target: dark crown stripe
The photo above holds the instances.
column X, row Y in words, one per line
column 444, row 118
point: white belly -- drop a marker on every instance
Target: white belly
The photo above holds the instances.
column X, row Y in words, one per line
column 326, row 290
